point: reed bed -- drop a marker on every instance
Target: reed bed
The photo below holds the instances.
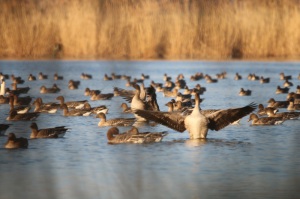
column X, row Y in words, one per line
column 150, row 29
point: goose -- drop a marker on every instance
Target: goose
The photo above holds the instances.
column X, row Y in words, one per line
column 282, row 76
column 263, row 110
column 53, row 89
column 31, row 77
column 237, row 76
column 42, row 76
column 86, row 76
column 298, row 89
column 71, row 104
column 244, row 92
column 55, row 132
column 263, row 80
column 133, row 136
column 265, row 120
column 13, row 142
column 198, row 76
column 42, row 108
column 14, row 116
column 197, row 124
column 284, row 115
column 277, row 104
column 3, row 128
column 280, row 90
column 287, row 83
column 125, row 108
column 74, row 112
column 293, row 95
column 21, row 109
column 115, row 121
column 172, row 93
column 57, row 77
column 95, row 110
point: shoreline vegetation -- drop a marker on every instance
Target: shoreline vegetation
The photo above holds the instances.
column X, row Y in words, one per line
column 150, row 29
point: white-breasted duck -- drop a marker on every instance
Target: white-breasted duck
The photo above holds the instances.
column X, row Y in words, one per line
column 95, row 110
column 57, row 77
column 287, row 83
column 280, row 90
column 237, row 76
column 21, row 109
column 282, row 76
column 14, row 116
column 31, row 77
column 244, row 92
column 264, row 80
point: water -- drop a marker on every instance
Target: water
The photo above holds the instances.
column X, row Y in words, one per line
column 239, row 161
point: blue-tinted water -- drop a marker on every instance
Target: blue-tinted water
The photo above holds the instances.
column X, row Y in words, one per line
column 239, row 161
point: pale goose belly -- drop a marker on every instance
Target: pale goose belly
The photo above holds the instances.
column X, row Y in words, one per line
column 196, row 125
column 138, row 104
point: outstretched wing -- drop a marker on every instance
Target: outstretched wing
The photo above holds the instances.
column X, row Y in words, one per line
column 224, row 117
column 172, row 120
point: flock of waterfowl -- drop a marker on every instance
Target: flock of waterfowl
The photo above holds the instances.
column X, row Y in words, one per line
column 184, row 112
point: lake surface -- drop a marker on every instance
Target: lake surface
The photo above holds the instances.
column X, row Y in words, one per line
column 239, row 161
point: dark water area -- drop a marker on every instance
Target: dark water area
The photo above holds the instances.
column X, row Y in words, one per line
column 239, row 161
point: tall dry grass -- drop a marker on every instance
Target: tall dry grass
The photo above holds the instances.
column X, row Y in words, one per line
column 150, row 29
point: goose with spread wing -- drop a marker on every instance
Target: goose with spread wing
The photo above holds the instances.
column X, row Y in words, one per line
column 197, row 123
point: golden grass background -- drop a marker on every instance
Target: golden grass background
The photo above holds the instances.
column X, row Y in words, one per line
column 150, row 29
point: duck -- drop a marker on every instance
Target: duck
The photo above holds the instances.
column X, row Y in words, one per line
column 196, row 123
column 19, row 90
column 42, row 76
column 287, row 83
column 107, row 78
column 284, row 115
column 264, row 80
column 196, row 77
column 292, row 106
column 53, row 89
column 4, row 99
column 265, row 120
column 17, row 80
column 14, row 143
column 3, row 128
column 133, row 136
column 172, row 93
column 115, row 121
column 143, row 76
column 263, row 110
column 245, row 92
column 293, row 95
column 31, row 77
column 166, row 77
column 237, row 76
column 21, row 109
column 86, row 76
column 95, row 110
column 14, row 116
column 4, row 76
column 42, row 108
column 209, row 79
column 89, row 92
column 277, row 104
column 221, row 75
column 122, row 92
column 57, row 77
column 71, row 104
column 253, row 77
column 54, row 132
column 298, row 89
column 280, row 90
column 74, row 112
column 73, row 85
column 282, row 76
column 114, row 76
column 125, row 108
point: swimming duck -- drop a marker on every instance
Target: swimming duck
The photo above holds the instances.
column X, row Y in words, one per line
column 14, row 116
column 4, row 76
column 89, row 92
column 280, row 90
column 263, row 111
column 244, row 92
column 114, row 76
column 57, row 77
column 284, row 77
column 13, row 142
column 125, row 108
column 73, row 84
column 18, row 90
column 95, row 110
column 53, row 89
column 298, row 89
column 42, row 76
column 253, row 77
column 42, row 108
column 287, row 83
column 209, row 79
column 115, row 121
column 17, row 80
column 107, row 78
column 284, row 115
column 172, row 93
column 237, row 76
column 265, row 120
column 101, row 96
column 197, row 124
column 277, row 104
column 4, row 100
column 133, row 136
column 292, row 106
column 55, row 132
column 263, row 80
column 166, row 77
column 143, row 76
column 3, row 128
column 74, row 112
column 86, row 76
column 71, row 104
column 21, row 100
column 198, row 76
column 31, row 77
